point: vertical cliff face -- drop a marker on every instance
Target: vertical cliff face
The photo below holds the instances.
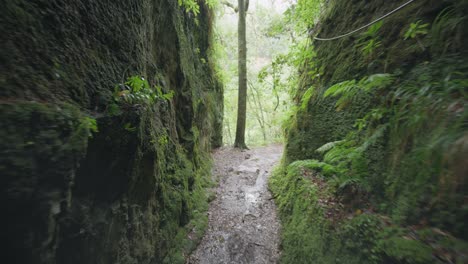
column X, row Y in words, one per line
column 88, row 177
column 374, row 152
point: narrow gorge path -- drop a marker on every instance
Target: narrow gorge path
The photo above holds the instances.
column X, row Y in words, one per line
column 243, row 225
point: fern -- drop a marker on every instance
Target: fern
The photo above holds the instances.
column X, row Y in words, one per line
column 372, row 139
column 328, row 146
column 324, row 168
column 306, row 97
column 348, row 90
column 376, row 81
column 443, row 28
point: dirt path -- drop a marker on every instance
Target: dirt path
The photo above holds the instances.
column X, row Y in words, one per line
column 243, row 226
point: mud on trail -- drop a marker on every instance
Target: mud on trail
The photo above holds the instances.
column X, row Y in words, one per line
column 243, row 225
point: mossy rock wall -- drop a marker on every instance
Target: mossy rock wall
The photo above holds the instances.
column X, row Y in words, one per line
column 413, row 173
column 343, row 59
column 130, row 192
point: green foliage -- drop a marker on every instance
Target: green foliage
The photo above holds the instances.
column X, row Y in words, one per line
column 444, row 28
column 348, row 90
column 370, row 46
column 301, row 53
column 348, row 163
column 416, row 29
column 190, row 6
column 137, row 91
column 369, row 40
column 406, row 249
column 163, row 140
column 270, row 82
column 373, row 30
column 89, row 124
column 325, row 169
column 408, row 109
column 194, row 7
column 301, row 220
column 306, row 97
column 328, row 146
column 306, row 13
column 404, row 150
column 306, row 232
column 212, row 3
column 360, row 235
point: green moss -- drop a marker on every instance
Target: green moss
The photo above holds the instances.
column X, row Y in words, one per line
column 307, row 234
column 45, row 130
column 135, row 189
column 406, row 250
column 401, row 157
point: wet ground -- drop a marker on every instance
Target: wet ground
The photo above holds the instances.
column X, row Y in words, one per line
column 243, row 225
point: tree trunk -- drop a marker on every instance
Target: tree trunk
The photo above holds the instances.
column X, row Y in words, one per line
column 242, row 67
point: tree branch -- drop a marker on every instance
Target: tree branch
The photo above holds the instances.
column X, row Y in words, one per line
column 226, row 3
column 246, row 5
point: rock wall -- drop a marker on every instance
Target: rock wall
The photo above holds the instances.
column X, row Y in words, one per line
column 131, row 191
column 391, row 177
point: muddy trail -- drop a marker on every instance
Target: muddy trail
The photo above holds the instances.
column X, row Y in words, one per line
column 243, row 225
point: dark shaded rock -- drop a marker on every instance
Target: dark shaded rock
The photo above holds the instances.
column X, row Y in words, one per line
column 122, row 195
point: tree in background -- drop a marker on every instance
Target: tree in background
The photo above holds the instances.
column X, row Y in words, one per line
column 243, row 6
column 267, row 96
column 239, row 142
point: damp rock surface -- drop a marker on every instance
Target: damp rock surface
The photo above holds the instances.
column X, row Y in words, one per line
column 243, row 224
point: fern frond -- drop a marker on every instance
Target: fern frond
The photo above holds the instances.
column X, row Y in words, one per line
column 339, row 88
column 328, row 146
column 379, row 80
column 306, row 97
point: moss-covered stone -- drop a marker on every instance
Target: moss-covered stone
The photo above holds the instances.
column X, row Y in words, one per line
column 408, row 168
column 130, row 192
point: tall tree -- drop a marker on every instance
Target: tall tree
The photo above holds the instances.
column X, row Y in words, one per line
column 239, row 142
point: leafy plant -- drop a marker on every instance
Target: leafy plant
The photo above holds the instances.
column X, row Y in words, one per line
column 373, row 30
column 370, row 46
column 190, row 6
column 137, row 91
column 369, row 40
column 416, row 29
